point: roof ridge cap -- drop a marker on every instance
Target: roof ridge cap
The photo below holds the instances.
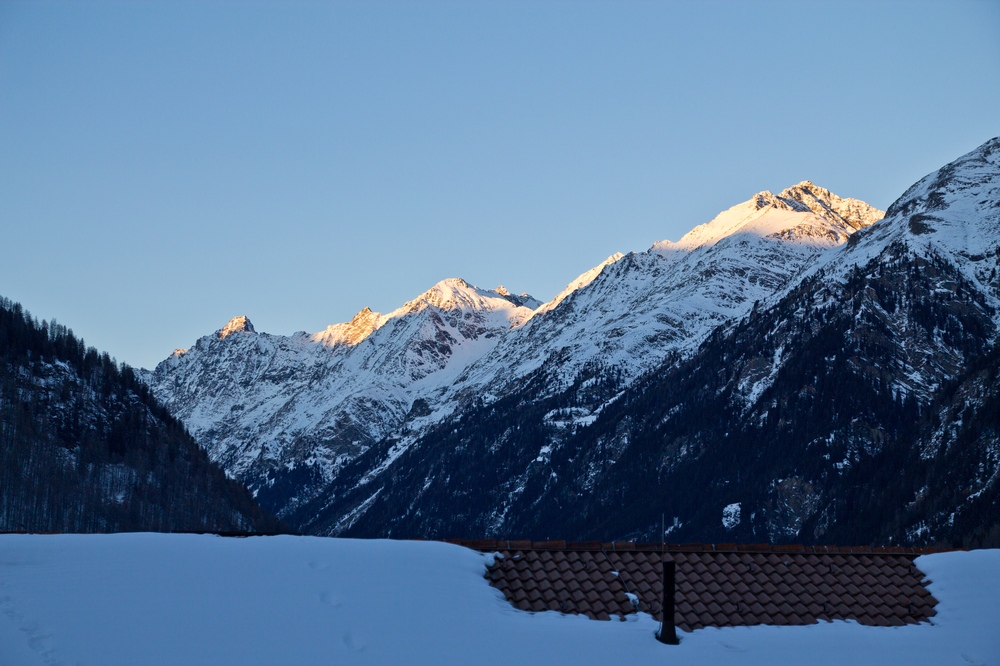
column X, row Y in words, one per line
column 620, row 545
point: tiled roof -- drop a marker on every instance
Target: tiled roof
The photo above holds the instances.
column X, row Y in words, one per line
column 716, row 586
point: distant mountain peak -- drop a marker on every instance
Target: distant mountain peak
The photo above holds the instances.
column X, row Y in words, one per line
column 855, row 213
column 363, row 324
column 455, row 283
column 977, row 168
column 524, row 299
column 239, row 324
column 950, row 212
column 806, row 188
column 453, row 294
column 825, row 219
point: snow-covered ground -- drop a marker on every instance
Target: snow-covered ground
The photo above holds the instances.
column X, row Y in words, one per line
column 187, row 599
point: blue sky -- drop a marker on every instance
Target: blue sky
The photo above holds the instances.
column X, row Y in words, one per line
column 166, row 166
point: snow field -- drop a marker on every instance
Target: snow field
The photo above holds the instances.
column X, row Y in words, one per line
column 199, row 599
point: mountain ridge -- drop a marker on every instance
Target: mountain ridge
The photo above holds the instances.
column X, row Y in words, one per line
column 855, row 406
column 285, row 414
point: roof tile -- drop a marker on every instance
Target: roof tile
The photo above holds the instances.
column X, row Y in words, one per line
column 724, row 585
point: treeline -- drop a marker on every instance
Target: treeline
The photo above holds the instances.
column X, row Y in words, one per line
column 84, row 447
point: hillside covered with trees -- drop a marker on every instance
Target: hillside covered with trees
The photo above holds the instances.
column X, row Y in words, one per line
column 84, row 446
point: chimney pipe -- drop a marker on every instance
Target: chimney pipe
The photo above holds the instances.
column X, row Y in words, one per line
column 668, row 633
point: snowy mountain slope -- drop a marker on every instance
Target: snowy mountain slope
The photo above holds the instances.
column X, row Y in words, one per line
column 633, row 310
column 282, row 413
column 950, row 217
column 779, row 357
column 954, row 211
column 829, row 412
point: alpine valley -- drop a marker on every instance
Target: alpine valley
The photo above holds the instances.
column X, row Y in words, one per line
column 803, row 368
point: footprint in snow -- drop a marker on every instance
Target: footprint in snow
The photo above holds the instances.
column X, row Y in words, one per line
column 38, row 641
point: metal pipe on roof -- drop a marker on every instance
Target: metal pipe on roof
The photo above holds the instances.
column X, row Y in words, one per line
column 668, row 632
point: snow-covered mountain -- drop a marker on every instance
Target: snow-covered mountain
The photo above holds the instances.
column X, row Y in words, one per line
column 632, row 311
column 775, row 363
column 285, row 414
column 859, row 402
column 951, row 216
column 282, row 413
